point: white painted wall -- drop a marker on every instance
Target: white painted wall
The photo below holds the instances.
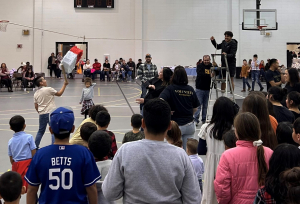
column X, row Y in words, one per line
column 178, row 28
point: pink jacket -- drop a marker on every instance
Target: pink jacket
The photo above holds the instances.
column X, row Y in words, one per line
column 237, row 174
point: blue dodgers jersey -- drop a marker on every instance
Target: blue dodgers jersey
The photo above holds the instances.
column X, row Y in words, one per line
column 63, row 171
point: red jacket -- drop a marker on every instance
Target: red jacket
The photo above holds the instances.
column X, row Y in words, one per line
column 21, row 167
column 97, row 66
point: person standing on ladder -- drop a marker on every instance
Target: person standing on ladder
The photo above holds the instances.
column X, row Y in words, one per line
column 229, row 48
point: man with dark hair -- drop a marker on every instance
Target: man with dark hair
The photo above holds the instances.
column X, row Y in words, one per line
column 273, row 76
column 52, row 64
column 44, row 104
column 203, row 81
column 67, row 173
column 97, row 68
column 255, row 72
column 229, row 48
column 148, row 165
column 11, row 187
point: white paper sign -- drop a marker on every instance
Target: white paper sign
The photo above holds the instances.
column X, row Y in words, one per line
column 69, row 61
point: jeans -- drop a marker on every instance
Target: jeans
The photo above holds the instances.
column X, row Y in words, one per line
column 245, row 81
column 58, row 73
column 43, row 121
column 53, row 69
column 187, row 131
column 200, row 184
column 203, row 96
column 123, row 75
column 129, row 73
column 25, row 83
column 107, row 74
column 255, row 77
column 95, row 73
column 262, row 73
column 87, row 72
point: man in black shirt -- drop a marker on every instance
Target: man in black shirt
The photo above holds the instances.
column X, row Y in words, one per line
column 229, row 48
column 203, row 81
column 273, row 76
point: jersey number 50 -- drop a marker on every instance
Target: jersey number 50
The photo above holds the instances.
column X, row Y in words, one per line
column 63, row 178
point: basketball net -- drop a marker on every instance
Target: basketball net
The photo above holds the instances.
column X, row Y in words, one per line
column 3, row 25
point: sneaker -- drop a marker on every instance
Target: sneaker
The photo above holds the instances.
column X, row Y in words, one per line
column 25, row 89
column 262, row 88
column 249, row 89
column 243, row 90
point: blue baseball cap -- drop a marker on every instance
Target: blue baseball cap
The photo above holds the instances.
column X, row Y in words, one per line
column 62, row 120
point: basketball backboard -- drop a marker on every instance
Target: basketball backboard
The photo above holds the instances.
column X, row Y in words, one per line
column 253, row 18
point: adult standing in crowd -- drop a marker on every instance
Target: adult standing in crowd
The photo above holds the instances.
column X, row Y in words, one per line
column 124, row 70
column 229, row 48
column 267, row 67
column 52, row 64
column 292, row 80
column 59, row 58
column 202, row 87
column 131, row 66
column 97, row 68
column 106, row 70
column 138, row 65
column 183, row 102
column 273, row 76
column 5, row 77
column 146, row 72
column 294, row 54
column 289, row 57
column 255, row 72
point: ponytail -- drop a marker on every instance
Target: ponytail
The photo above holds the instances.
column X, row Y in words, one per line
column 277, row 93
column 262, row 165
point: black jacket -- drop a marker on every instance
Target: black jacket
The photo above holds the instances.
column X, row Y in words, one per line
column 230, row 49
column 154, row 93
column 203, row 76
column 49, row 62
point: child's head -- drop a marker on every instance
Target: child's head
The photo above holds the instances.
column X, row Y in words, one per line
column 291, row 179
column 87, row 130
column 103, row 119
column 136, row 121
column 11, row 186
column 296, row 131
column 245, row 62
column 229, row 139
column 276, row 94
column 96, row 109
column 174, row 135
column 62, row 122
column 17, row 123
column 87, row 82
column 100, row 144
column 284, row 133
column 40, row 81
column 293, row 99
column 191, row 146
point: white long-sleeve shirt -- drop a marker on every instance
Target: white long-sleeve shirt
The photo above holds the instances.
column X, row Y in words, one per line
column 87, row 93
column 87, row 66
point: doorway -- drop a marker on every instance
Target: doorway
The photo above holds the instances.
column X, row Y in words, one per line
column 293, row 54
column 64, row 47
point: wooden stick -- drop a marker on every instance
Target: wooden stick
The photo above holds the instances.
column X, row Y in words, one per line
column 64, row 73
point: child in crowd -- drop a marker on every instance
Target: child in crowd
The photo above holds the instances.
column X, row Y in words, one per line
column 67, row 173
column 284, row 133
column 244, row 74
column 87, row 96
column 296, row 132
column 21, row 147
column 86, row 131
column 229, row 139
column 174, row 135
column 135, row 134
column 103, row 120
column 100, row 144
column 191, row 150
column 291, row 178
column 293, row 102
column 11, row 187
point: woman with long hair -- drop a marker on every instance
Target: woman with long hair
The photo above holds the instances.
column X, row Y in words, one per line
column 285, row 156
column 292, row 79
column 258, row 106
column 183, row 101
column 212, row 145
column 28, row 79
column 5, row 77
column 242, row 170
column 293, row 103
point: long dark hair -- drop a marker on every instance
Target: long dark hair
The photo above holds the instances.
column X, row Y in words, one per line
column 247, row 128
column 285, row 156
column 167, row 75
column 179, row 76
column 277, row 93
column 27, row 74
column 258, row 106
column 294, row 77
column 224, row 111
column 284, row 133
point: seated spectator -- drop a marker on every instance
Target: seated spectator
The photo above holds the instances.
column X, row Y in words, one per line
column 131, row 66
column 115, row 70
column 21, row 147
column 5, row 77
column 293, row 102
column 282, row 114
column 191, row 150
column 100, row 144
column 97, row 69
column 211, row 143
column 145, row 172
column 124, row 70
column 71, row 168
column 284, row 133
column 76, row 138
column 28, row 79
column 285, row 156
column 86, row 131
column 135, row 134
column 106, row 70
column 87, row 69
column 229, row 139
column 258, row 106
column 11, row 187
column 242, row 170
column 174, row 135
column 103, row 120
column 291, row 179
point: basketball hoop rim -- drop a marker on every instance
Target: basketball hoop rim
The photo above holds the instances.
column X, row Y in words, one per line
column 4, row 21
column 261, row 27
